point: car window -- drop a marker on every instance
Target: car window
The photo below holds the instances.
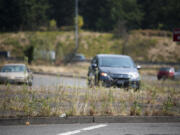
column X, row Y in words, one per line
column 164, row 69
column 124, row 62
column 13, row 69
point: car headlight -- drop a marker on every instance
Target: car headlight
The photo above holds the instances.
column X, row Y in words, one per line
column 104, row 74
column 134, row 75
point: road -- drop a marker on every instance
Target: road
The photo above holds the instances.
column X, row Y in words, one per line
column 94, row 129
column 51, row 81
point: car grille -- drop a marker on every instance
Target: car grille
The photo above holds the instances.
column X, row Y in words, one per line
column 120, row 76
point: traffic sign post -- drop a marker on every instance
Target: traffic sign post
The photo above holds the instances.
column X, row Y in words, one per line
column 176, row 35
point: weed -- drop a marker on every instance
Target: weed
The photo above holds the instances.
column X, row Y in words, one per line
column 72, row 101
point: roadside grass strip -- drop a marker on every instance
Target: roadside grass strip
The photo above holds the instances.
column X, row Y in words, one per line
column 83, row 129
column 63, row 101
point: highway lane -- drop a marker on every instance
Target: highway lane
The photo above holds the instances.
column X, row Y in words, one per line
column 94, row 129
column 53, row 81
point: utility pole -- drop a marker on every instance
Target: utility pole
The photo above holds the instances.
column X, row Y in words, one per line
column 76, row 26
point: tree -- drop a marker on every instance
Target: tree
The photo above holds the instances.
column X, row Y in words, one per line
column 23, row 14
column 127, row 10
column 62, row 11
column 52, row 24
column 104, row 14
column 162, row 13
column 80, row 22
column 33, row 13
column 10, row 17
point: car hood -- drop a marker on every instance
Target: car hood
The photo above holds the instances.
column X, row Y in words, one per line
column 13, row 74
column 118, row 70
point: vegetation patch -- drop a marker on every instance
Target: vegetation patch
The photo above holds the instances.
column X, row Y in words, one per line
column 73, row 101
column 156, row 47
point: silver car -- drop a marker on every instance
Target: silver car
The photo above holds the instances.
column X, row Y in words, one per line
column 16, row 73
column 177, row 75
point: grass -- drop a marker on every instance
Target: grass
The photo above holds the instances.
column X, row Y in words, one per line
column 73, row 101
column 78, row 69
column 156, row 45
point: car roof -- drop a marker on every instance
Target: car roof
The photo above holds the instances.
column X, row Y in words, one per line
column 112, row 55
column 79, row 54
column 15, row 64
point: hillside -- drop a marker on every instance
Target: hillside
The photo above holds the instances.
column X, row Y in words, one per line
column 142, row 45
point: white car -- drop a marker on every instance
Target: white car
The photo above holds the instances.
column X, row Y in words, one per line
column 16, row 73
column 177, row 75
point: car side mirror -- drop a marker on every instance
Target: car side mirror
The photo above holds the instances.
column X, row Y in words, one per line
column 94, row 65
column 138, row 67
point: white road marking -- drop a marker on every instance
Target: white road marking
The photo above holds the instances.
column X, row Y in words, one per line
column 94, row 127
column 83, row 129
column 70, row 133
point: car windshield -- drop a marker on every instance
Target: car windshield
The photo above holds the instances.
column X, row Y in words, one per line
column 124, row 62
column 164, row 69
column 13, row 68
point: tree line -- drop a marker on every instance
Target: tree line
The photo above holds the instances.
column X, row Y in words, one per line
column 98, row 15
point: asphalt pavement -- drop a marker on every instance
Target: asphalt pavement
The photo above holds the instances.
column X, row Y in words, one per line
column 94, row 129
column 55, row 80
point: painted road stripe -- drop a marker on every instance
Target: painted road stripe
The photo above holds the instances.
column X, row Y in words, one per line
column 94, row 127
column 70, row 133
column 83, row 129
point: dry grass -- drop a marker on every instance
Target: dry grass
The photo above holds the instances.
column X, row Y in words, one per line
column 78, row 69
column 75, row 101
column 156, row 45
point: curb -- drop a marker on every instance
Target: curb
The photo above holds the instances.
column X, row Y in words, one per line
column 46, row 120
column 136, row 119
column 59, row 74
column 90, row 119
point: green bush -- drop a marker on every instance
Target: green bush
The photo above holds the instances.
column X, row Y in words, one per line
column 52, row 25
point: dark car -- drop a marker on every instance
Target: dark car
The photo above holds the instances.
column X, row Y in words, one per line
column 78, row 58
column 166, row 73
column 113, row 70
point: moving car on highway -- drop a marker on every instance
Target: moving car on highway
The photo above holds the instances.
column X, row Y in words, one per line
column 166, row 73
column 113, row 70
column 78, row 58
column 16, row 73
